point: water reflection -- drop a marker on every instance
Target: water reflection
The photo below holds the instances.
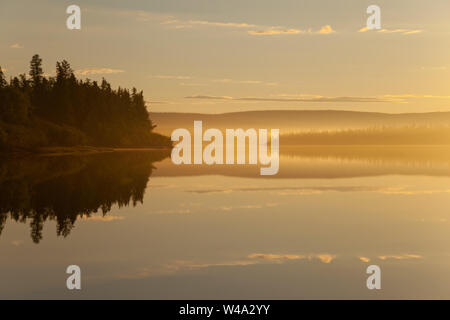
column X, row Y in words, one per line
column 225, row 231
column 65, row 188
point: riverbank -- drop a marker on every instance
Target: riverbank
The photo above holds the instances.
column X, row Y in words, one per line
column 77, row 150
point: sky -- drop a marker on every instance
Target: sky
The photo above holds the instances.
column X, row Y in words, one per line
column 216, row 56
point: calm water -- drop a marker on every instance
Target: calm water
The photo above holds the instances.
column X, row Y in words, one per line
column 140, row 227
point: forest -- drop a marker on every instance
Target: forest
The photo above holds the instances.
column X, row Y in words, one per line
column 38, row 111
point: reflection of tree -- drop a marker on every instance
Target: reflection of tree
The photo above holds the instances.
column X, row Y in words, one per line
column 66, row 188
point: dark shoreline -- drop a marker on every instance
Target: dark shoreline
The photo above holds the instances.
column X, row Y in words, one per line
column 76, row 150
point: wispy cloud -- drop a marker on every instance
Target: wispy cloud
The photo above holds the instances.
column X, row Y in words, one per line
column 271, row 31
column 364, row 259
column 299, row 99
column 309, row 98
column 400, row 257
column 235, row 81
column 171, row 77
column 326, row 30
column 95, row 71
column 258, row 30
column 401, row 31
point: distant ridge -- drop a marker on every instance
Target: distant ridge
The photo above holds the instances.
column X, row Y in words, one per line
column 298, row 120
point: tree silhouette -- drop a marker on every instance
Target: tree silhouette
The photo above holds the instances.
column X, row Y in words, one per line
column 65, row 111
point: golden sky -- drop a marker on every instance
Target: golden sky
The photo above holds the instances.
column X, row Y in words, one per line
column 219, row 56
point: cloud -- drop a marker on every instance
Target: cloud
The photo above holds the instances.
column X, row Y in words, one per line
column 364, row 29
column 272, row 32
column 205, row 97
column 221, row 24
column 400, row 257
column 187, row 84
column 16, row 46
column 170, row 77
column 401, row 31
column 305, row 99
column 258, row 30
column 158, row 102
column 327, row 29
column 364, row 259
column 95, row 71
column 255, row 82
column 238, row 81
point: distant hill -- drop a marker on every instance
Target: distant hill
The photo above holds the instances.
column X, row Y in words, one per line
column 295, row 121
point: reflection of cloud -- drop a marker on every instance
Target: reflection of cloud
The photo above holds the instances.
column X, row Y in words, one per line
column 97, row 71
column 103, row 218
column 296, row 190
column 400, row 257
column 172, row 211
column 400, row 191
column 255, row 259
column 16, row 243
column 248, row 206
column 285, row 191
column 323, row 257
column 269, row 256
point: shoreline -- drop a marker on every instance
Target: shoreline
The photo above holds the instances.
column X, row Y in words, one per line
column 78, row 150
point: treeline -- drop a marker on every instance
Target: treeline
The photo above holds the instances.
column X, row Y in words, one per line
column 412, row 135
column 38, row 111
